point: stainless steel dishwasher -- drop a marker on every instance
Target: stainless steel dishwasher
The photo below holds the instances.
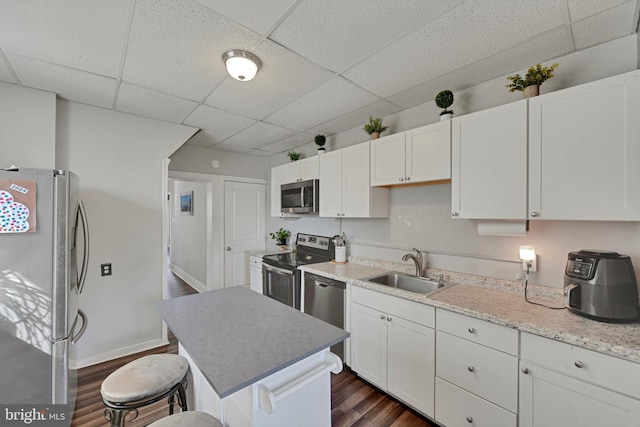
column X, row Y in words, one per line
column 324, row 300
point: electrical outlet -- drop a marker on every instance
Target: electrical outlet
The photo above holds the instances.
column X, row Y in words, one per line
column 534, row 265
column 106, row 269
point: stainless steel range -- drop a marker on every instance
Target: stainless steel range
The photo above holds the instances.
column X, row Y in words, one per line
column 281, row 279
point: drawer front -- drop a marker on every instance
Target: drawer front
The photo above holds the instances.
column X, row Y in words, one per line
column 255, row 261
column 481, row 332
column 489, row 373
column 611, row 372
column 458, row 408
column 419, row 313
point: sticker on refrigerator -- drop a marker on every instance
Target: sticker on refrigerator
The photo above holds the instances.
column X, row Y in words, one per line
column 17, row 206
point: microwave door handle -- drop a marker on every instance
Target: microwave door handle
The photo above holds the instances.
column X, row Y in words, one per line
column 276, row 269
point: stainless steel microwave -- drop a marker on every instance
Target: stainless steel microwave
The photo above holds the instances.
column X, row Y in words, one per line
column 300, row 197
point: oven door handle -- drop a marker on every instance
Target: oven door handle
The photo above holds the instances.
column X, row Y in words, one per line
column 276, row 269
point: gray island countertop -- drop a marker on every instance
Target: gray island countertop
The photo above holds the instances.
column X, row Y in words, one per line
column 237, row 337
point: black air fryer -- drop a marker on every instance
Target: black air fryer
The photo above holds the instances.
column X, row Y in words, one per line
column 601, row 285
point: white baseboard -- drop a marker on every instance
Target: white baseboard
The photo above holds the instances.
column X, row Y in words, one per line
column 120, row 352
column 191, row 281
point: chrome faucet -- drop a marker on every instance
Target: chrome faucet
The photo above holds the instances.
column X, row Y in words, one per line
column 417, row 259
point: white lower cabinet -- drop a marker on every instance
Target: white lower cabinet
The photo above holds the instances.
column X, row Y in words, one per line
column 255, row 273
column 566, row 386
column 392, row 346
column 476, row 372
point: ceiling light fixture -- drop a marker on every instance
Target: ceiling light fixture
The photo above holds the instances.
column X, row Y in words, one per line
column 241, row 65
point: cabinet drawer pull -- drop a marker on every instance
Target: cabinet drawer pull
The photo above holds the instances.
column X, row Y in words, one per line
column 471, row 369
column 578, row 364
column 525, row 370
column 534, row 214
column 472, row 330
column 469, row 419
column 454, row 213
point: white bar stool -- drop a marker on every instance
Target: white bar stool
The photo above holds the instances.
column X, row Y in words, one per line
column 188, row 419
column 142, row 382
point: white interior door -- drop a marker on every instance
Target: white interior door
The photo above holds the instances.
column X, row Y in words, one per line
column 244, row 225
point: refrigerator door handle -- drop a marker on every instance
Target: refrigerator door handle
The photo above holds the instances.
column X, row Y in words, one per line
column 75, row 337
column 85, row 235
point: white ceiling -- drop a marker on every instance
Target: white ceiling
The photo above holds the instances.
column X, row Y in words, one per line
column 326, row 65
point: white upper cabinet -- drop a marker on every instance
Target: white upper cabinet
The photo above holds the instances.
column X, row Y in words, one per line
column 418, row 155
column 584, row 151
column 489, row 163
column 302, row 170
column 345, row 190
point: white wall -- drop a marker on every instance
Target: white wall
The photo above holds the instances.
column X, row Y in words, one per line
column 189, row 234
column 192, row 158
column 420, row 216
column 120, row 161
column 27, row 127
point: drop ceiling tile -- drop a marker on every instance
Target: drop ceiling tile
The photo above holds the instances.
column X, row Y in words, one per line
column 465, row 35
column 326, row 102
column 283, row 76
column 261, row 153
column 356, row 118
column 260, row 16
column 289, row 143
column 259, row 135
column 84, row 35
column 147, row 103
column 543, row 48
column 217, row 122
column 234, row 148
column 605, row 26
column 338, row 34
column 68, row 83
column 580, row 9
column 176, row 47
column 6, row 74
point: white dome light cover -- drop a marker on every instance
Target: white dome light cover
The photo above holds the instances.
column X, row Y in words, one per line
column 241, row 65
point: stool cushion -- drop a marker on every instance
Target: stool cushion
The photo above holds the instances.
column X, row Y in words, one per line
column 144, row 378
column 188, row 419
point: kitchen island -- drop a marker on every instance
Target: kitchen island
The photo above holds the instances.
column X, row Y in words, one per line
column 254, row 360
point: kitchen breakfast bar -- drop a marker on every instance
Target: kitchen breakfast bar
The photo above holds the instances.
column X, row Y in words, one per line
column 254, row 361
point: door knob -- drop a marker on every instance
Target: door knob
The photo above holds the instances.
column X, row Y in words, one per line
column 228, row 248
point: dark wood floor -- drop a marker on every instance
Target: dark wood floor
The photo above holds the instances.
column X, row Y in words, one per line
column 353, row 401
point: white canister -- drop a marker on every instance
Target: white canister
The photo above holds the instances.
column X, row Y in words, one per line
column 341, row 254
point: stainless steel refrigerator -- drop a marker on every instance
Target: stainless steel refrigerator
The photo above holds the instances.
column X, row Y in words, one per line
column 44, row 248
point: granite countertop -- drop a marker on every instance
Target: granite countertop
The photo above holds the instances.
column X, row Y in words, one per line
column 237, row 337
column 508, row 308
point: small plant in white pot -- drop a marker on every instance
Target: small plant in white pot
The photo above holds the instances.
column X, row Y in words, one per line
column 375, row 127
column 293, row 156
column 444, row 100
column 320, row 140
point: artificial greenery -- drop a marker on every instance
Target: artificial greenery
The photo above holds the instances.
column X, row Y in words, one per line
column 536, row 75
column 293, row 156
column 320, row 140
column 374, row 126
column 444, row 100
column 281, row 234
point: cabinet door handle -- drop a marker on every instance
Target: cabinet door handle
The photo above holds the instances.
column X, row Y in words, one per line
column 525, row 370
column 228, row 248
column 408, row 178
column 469, row 419
column 578, row 364
column 401, row 179
column 471, row 369
column 389, row 319
column 472, row 330
column 382, row 316
column 454, row 213
column 534, row 214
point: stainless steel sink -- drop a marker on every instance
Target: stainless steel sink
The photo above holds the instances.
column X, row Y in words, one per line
column 419, row 285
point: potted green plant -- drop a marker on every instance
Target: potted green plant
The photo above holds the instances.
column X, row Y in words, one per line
column 320, row 141
column 374, row 127
column 280, row 236
column 444, row 100
column 530, row 85
column 293, row 156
